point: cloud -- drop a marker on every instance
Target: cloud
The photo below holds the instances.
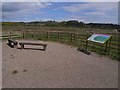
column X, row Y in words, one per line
column 59, row 0
column 119, row 13
column 17, row 9
column 10, row 7
column 15, row 6
column 94, row 11
column 25, row 0
column 87, row 12
column 99, row 7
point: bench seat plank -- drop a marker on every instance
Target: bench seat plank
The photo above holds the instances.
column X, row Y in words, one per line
column 26, row 43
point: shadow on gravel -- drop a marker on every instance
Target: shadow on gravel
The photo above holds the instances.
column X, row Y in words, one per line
column 83, row 51
column 31, row 49
column 10, row 45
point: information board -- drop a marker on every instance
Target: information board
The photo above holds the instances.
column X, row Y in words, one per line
column 99, row 38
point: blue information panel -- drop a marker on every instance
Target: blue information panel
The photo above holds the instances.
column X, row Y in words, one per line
column 99, row 38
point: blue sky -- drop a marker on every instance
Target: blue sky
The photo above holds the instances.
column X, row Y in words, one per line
column 93, row 12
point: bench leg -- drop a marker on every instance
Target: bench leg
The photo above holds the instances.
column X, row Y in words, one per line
column 15, row 46
column 9, row 42
column 22, row 46
column 44, row 47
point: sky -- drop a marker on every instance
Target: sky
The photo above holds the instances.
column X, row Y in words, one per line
column 88, row 12
column 60, row 0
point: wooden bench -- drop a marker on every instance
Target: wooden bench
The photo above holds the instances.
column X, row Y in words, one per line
column 12, row 43
column 26, row 43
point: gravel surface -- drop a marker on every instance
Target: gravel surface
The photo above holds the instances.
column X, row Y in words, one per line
column 59, row 66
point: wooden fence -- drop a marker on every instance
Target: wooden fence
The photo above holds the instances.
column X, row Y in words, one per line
column 74, row 38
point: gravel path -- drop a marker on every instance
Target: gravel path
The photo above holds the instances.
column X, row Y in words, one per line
column 60, row 66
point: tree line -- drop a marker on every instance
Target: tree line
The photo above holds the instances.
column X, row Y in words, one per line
column 71, row 23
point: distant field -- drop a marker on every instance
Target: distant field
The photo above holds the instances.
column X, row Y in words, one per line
column 73, row 36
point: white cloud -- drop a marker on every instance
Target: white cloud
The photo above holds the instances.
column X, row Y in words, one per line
column 101, row 7
column 17, row 6
column 106, row 12
column 95, row 13
column 101, row 12
column 59, row 0
column 17, row 9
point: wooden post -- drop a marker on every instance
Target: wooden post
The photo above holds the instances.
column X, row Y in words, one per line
column 102, row 50
column 109, row 45
column 86, row 45
column 47, row 35
column 74, row 36
column 23, row 35
column 32, row 35
column 58, row 36
column 93, row 46
column 10, row 34
column 71, row 36
column 106, row 46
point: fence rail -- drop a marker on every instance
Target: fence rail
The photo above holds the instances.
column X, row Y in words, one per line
column 59, row 35
column 68, row 36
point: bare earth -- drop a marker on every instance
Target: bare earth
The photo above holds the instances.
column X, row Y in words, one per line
column 60, row 66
